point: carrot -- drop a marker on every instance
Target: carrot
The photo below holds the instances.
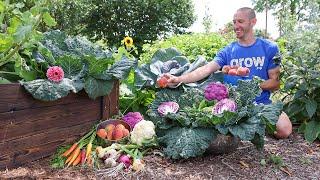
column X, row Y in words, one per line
column 89, row 146
column 75, row 145
column 74, row 155
column 69, row 158
column 65, row 154
column 83, row 156
column 77, row 160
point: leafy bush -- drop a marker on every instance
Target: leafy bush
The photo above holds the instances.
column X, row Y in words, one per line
column 190, row 45
column 301, row 74
column 19, row 35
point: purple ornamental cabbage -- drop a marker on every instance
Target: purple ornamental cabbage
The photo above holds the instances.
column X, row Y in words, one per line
column 132, row 118
column 216, row 91
column 168, row 107
column 224, row 105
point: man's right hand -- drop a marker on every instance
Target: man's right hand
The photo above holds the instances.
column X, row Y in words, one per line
column 173, row 81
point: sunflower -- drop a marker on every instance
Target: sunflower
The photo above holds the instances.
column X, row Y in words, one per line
column 128, row 41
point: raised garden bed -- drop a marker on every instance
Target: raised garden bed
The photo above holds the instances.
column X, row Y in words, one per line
column 31, row 129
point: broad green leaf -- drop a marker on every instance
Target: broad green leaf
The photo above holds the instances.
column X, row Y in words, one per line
column 186, row 142
column 270, row 112
column 165, row 54
column 4, row 81
column 312, row 131
column 14, row 24
column 246, row 130
column 97, row 66
column 45, row 90
column 48, row 19
column 96, row 87
column 119, row 70
column 22, row 33
column 71, row 65
column 19, row 5
column 311, row 107
column 5, row 42
column 2, row 6
column 46, row 53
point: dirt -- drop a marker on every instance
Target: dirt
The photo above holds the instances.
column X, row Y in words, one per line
column 291, row 158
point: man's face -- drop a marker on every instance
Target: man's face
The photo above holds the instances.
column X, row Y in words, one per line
column 242, row 24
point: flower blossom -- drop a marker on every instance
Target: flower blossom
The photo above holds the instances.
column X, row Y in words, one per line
column 55, row 74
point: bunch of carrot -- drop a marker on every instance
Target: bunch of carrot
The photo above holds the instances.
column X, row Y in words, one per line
column 77, row 153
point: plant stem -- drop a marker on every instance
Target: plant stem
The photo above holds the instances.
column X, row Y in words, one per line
column 5, row 72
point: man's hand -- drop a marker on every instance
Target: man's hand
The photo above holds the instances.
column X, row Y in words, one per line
column 172, row 80
column 273, row 82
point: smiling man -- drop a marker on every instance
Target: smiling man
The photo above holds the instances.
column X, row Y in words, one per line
column 257, row 54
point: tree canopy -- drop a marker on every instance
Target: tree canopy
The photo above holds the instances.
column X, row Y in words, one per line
column 144, row 20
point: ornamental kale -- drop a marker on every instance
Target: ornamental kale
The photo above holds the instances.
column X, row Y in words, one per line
column 215, row 91
column 189, row 132
column 224, row 105
column 132, row 118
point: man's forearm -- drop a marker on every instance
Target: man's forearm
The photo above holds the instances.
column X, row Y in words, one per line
column 270, row 84
column 199, row 73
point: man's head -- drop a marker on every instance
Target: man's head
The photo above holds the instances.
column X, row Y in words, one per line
column 243, row 21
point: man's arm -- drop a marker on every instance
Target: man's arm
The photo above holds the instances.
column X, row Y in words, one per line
column 195, row 75
column 273, row 83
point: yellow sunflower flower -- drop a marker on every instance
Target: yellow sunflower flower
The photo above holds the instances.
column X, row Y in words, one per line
column 128, row 41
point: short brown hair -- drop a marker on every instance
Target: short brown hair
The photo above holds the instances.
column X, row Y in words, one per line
column 250, row 12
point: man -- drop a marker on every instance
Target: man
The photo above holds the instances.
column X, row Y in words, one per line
column 254, row 53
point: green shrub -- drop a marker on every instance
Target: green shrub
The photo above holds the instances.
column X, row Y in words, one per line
column 301, row 77
column 191, row 45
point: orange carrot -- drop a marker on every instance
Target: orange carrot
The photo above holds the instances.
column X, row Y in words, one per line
column 75, row 145
column 65, row 154
column 69, row 158
column 77, row 160
column 74, row 155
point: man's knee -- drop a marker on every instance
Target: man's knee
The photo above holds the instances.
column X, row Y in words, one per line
column 284, row 126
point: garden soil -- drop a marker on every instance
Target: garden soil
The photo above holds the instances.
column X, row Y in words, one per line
column 292, row 158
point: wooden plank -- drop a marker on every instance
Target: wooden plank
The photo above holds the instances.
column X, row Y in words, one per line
column 40, row 145
column 111, row 102
column 32, row 121
column 45, row 145
column 14, row 97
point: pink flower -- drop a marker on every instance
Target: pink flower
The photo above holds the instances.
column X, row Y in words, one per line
column 55, row 74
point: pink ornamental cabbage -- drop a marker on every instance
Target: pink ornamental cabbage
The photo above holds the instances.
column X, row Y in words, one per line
column 216, row 91
column 132, row 118
column 224, row 105
column 55, row 74
column 168, row 107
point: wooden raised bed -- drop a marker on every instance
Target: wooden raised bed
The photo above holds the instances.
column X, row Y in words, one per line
column 31, row 129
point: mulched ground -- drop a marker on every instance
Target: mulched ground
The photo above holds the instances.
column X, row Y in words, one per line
column 291, row 158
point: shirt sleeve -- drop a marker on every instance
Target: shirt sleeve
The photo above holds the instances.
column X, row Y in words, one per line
column 274, row 57
column 221, row 57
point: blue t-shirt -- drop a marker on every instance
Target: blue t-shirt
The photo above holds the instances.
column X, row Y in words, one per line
column 258, row 58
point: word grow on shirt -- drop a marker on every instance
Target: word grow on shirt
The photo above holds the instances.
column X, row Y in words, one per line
column 249, row 62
